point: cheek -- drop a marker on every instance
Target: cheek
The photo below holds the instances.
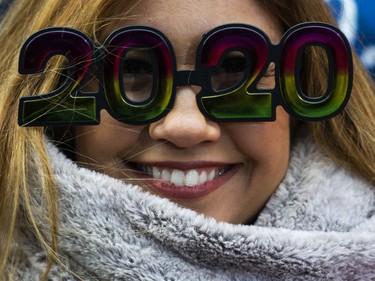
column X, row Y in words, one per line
column 266, row 145
column 104, row 143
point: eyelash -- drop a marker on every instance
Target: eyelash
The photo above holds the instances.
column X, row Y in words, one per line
column 137, row 66
column 234, row 64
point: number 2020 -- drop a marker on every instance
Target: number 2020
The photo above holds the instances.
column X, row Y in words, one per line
column 243, row 101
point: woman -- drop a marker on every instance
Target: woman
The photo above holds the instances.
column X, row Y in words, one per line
column 265, row 211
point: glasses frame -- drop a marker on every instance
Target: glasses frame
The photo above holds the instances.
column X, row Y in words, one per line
column 242, row 102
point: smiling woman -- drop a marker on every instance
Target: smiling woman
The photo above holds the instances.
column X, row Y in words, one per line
column 173, row 154
column 184, row 196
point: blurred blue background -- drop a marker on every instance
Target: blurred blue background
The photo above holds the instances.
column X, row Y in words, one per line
column 356, row 18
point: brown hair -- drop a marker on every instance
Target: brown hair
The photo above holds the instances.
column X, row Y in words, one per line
column 350, row 137
column 347, row 138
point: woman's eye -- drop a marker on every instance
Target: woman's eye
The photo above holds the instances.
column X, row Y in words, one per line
column 234, row 65
column 229, row 73
column 137, row 66
column 138, row 71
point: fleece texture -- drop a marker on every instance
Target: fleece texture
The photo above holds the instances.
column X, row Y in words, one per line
column 318, row 225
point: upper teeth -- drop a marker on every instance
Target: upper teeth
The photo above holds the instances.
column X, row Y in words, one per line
column 177, row 177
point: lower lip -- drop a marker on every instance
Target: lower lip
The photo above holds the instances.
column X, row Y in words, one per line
column 190, row 192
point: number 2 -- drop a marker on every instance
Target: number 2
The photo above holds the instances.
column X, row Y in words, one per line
column 62, row 106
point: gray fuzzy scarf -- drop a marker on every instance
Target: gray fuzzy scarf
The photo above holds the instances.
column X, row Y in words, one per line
column 318, row 225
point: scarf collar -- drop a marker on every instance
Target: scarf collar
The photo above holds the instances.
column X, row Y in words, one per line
column 319, row 223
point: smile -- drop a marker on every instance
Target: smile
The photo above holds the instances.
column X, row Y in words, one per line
column 186, row 183
column 178, row 177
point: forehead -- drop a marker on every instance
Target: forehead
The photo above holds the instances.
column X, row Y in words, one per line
column 184, row 20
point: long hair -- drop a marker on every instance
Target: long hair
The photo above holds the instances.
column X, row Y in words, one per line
column 21, row 146
column 347, row 138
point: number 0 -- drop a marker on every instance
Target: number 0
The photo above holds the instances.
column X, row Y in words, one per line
column 338, row 92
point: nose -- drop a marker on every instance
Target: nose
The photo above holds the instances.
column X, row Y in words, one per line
column 185, row 126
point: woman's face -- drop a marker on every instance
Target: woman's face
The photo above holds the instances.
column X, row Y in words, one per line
column 224, row 170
